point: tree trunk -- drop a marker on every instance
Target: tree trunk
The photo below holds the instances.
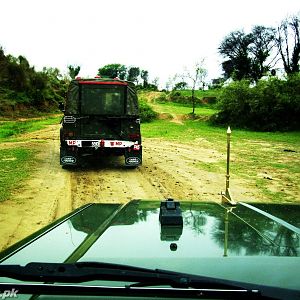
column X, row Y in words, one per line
column 193, row 100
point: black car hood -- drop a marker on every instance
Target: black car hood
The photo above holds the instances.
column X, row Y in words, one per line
column 257, row 243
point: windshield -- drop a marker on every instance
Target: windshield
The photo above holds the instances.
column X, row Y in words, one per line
column 102, row 100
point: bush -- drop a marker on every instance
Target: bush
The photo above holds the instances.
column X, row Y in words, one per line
column 271, row 105
column 162, row 98
column 146, row 112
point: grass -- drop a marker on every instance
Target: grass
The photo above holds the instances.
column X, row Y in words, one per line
column 9, row 129
column 16, row 163
column 201, row 94
column 15, row 166
column 185, row 109
column 254, row 155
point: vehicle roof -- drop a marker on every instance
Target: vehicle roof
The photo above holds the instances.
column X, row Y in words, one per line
column 100, row 80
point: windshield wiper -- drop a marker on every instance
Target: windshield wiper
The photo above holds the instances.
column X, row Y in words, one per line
column 136, row 277
column 87, row 271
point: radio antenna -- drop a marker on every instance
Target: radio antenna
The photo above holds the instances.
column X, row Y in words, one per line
column 226, row 197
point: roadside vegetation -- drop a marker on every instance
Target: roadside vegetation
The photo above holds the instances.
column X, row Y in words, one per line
column 16, row 166
column 17, row 163
column 10, row 130
column 147, row 113
column 270, row 105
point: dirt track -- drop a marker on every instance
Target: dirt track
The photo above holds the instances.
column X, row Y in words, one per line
column 169, row 170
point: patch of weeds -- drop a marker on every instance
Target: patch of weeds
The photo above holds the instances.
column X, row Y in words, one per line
column 211, row 167
column 15, row 167
column 9, row 129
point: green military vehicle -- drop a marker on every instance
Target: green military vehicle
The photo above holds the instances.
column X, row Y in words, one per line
column 101, row 117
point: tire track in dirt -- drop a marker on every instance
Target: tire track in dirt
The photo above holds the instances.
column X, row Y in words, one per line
column 110, row 182
column 175, row 169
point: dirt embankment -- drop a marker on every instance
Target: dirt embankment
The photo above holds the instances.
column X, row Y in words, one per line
column 169, row 170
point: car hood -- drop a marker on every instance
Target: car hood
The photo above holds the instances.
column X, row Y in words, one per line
column 257, row 243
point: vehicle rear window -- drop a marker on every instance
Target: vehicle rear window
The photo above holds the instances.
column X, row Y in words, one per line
column 102, row 99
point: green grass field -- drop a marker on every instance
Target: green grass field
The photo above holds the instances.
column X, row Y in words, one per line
column 184, row 109
column 201, row 94
column 12, row 129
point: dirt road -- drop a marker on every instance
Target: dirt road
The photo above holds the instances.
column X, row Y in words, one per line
column 169, row 170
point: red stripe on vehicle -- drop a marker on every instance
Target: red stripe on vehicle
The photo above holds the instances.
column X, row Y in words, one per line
column 104, row 82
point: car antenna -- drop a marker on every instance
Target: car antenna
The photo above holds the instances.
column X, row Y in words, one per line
column 226, row 196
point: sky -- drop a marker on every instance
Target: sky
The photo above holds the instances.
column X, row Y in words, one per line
column 164, row 37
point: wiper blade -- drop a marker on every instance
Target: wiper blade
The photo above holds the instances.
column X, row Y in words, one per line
column 87, row 271
column 140, row 280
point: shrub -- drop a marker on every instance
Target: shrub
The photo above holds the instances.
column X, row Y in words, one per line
column 272, row 104
column 146, row 112
column 162, row 98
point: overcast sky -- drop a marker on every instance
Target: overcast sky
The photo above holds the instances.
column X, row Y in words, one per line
column 161, row 36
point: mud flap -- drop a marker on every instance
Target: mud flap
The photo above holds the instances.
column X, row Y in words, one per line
column 133, row 158
column 68, row 158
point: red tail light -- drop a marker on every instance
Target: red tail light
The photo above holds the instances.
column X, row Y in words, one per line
column 102, row 143
column 134, row 136
column 68, row 134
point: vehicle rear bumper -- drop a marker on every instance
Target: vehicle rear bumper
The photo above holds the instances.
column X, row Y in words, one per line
column 75, row 152
column 101, row 143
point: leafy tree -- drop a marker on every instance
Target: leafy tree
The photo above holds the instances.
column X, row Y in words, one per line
column 217, row 83
column 21, row 83
column 3, row 68
column 113, row 71
column 133, row 74
column 145, row 76
column 73, row 71
column 261, row 47
column 182, row 85
column 288, row 43
column 235, row 47
column 18, row 71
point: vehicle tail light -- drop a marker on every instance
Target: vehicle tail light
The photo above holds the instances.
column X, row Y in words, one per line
column 134, row 136
column 68, row 134
column 102, row 143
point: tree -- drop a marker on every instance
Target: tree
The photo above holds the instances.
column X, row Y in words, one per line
column 73, row 71
column 3, row 68
column 113, row 71
column 155, row 82
column 261, row 47
column 288, row 43
column 133, row 74
column 235, row 47
column 217, row 83
column 182, row 85
column 197, row 76
column 144, row 76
